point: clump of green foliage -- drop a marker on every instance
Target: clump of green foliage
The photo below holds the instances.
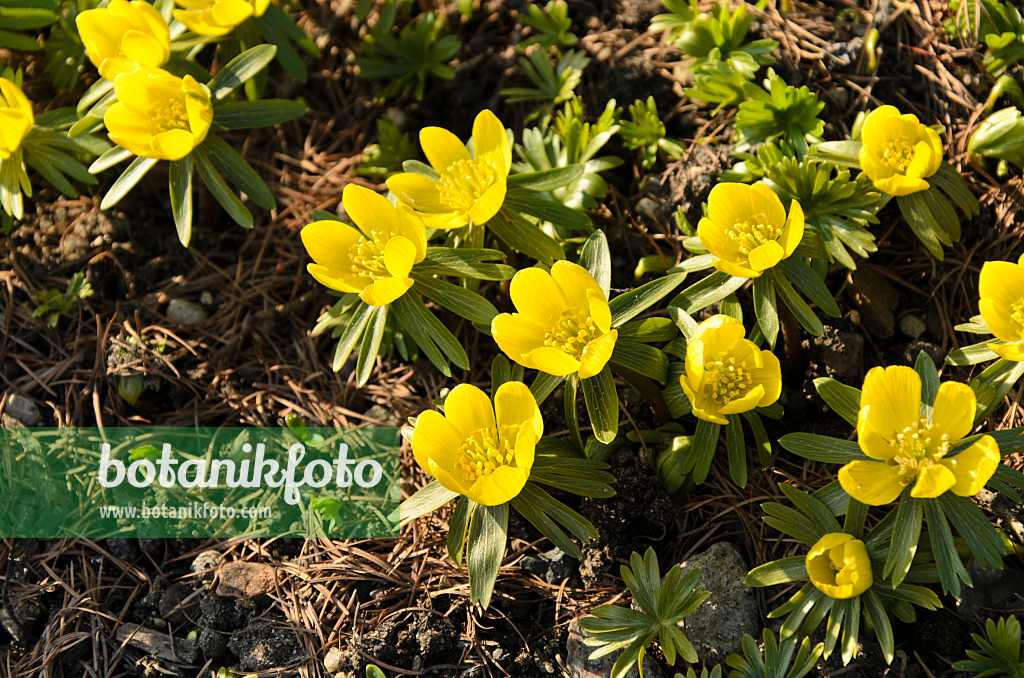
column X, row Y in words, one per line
column 53, row 303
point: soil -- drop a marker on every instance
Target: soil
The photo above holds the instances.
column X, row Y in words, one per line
column 402, row 604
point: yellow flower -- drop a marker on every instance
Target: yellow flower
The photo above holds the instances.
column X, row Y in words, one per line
column 747, row 229
column 123, row 36
column 482, row 452
column 727, row 373
column 471, row 187
column 911, row 448
column 1001, row 288
column 898, row 151
column 839, row 567
column 374, row 263
column 158, row 115
column 16, row 118
column 563, row 325
column 217, row 17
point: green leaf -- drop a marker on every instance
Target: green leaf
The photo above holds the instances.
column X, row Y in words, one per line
column 803, row 313
column 352, row 335
column 925, row 368
column 844, row 400
column 766, row 309
column 437, row 330
column 518, row 233
column 782, row 571
column 642, row 359
column 488, row 532
column 951, row 568
column 238, row 171
column 761, row 440
column 126, row 182
column 409, row 310
column 597, row 258
column 702, row 451
column 905, row 536
column 577, row 525
column 922, row 222
column 458, row 527
column 114, row 156
column 464, row 263
column 971, row 523
column 241, row 68
column 715, row 287
column 180, row 187
column 822, row 448
column 543, row 385
column 572, row 417
column 648, row 330
column 811, row 285
column 370, row 346
column 736, row 447
column 546, row 180
column 255, row 114
column 972, row 355
column 630, row 304
column 545, row 210
column 602, row 404
column 880, row 621
column 458, row 300
column 220, row 190
column 432, row 497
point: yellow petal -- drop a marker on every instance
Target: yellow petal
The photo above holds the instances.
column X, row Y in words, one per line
column 770, row 377
column 328, row 243
column 385, row 290
column 576, row 283
column 694, row 366
column 932, row 481
column 890, row 400
column 766, row 255
column 517, row 335
column 766, row 202
column 144, row 48
column 442, row 148
column 872, row 132
column 514, row 405
column 973, row 467
column 490, row 140
column 501, row 486
column 399, row 255
column 729, row 204
column 335, row 280
column 955, row 406
column 923, row 161
column 596, row 354
column 997, row 317
column 1002, row 282
column 369, row 210
column 706, row 409
column 713, row 237
column 871, row 482
column 720, row 333
column 1014, row 352
column 793, row 231
column 14, row 126
column 600, row 311
column 735, row 270
column 745, row 403
column 174, row 144
column 552, row 361
column 526, row 448
column 434, row 438
column 417, row 191
column 488, row 204
column 201, row 23
column 536, row 295
column 410, row 225
column 899, row 185
column 230, row 13
column 468, row 409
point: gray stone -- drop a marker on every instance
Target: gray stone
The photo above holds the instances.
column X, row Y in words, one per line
column 716, row 628
column 206, row 564
column 332, row 662
column 553, row 566
column 580, row 666
column 23, row 409
column 913, row 325
column 185, row 312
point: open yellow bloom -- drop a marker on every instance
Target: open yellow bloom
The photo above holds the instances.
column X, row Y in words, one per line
column 839, row 566
column 912, row 449
column 123, row 36
column 563, row 324
column 747, row 229
column 217, row 17
column 898, row 152
column 16, row 118
column 482, row 452
column 374, row 263
column 471, row 187
column 158, row 115
column 727, row 373
column 1001, row 288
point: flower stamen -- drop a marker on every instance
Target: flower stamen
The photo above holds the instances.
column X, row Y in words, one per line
column 571, row 332
column 898, row 154
column 1017, row 317
column 752, row 233
column 464, row 181
column 917, row 447
column 485, row 450
column 726, row 380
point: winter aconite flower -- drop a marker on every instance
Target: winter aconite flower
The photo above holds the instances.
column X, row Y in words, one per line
column 123, row 36
column 898, row 152
column 914, row 447
column 217, row 17
column 158, row 115
column 747, row 229
column 839, row 566
column 1001, row 288
column 727, row 373
column 375, row 263
column 482, row 452
column 16, row 118
column 563, row 324
column 471, row 187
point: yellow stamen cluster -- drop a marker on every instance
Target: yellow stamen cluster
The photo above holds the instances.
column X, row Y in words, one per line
column 750, row 234
column 571, row 332
column 916, row 448
column 726, row 380
column 898, row 154
column 1017, row 316
column 485, row 450
column 465, row 181
column 167, row 115
column 368, row 256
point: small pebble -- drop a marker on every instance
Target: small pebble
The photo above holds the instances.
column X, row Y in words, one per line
column 332, row 662
column 23, row 409
column 913, row 325
column 185, row 312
